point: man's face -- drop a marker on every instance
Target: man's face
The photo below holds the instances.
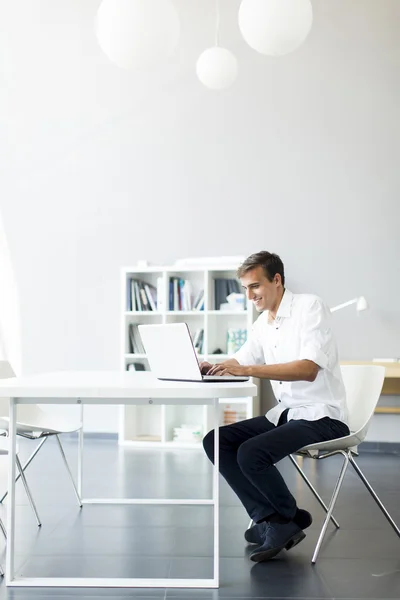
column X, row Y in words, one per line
column 263, row 293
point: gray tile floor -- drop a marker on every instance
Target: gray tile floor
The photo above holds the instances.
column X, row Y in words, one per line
column 361, row 560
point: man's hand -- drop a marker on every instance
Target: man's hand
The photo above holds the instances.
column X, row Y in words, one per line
column 227, row 368
column 205, row 367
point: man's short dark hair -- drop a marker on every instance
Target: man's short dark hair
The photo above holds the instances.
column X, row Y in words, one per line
column 271, row 264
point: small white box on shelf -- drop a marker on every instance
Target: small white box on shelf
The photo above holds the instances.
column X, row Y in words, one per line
column 188, row 433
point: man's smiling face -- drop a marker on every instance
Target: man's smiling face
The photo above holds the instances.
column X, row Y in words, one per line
column 264, row 294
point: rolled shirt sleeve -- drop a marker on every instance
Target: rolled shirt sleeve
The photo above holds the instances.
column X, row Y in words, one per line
column 316, row 334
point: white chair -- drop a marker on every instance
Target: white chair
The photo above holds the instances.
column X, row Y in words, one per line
column 4, row 449
column 34, row 423
column 363, row 384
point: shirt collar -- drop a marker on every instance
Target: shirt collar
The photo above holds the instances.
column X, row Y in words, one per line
column 284, row 309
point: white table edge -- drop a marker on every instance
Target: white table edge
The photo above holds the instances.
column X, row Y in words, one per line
column 120, row 582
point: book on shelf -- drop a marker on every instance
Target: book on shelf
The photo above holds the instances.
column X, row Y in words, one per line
column 128, row 288
column 171, row 303
column 140, row 295
column 198, row 340
column 198, row 303
column 151, row 293
column 180, row 294
column 135, row 341
column 176, row 303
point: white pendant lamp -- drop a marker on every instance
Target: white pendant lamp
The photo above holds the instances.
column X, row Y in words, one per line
column 275, row 27
column 137, row 34
column 216, row 67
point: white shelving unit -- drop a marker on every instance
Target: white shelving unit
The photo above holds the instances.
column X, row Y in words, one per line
column 153, row 425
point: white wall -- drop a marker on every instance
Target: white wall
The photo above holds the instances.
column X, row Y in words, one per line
column 384, row 428
column 100, row 168
column 10, row 319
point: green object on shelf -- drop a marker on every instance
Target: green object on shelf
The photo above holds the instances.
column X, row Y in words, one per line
column 235, row 340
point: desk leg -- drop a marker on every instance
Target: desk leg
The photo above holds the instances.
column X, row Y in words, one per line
column 80, row 455
column 216, row 491
column 11, row 493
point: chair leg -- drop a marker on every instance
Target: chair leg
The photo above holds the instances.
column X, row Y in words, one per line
column 28, row 492
column 28, row 462
column 331, row 505
column 69, row 470
column 312, row 488
column 373, row 494
column 1, row 571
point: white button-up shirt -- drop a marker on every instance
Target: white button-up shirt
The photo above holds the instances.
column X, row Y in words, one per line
column 301, row 330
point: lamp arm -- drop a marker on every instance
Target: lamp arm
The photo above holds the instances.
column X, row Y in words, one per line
column 339, row 306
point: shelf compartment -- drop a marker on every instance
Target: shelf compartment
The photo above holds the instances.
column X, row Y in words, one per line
column 218, row 331
column 142, row 289
column 175, row 293
column 142, row 423
column 218, row 292
column 178, row 415
column 133, row 321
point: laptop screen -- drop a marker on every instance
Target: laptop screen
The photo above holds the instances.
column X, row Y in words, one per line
column 170, row 351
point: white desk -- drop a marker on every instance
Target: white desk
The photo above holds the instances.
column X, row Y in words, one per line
column 113, row 388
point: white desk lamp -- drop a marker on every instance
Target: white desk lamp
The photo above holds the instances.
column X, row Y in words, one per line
column 361, row 304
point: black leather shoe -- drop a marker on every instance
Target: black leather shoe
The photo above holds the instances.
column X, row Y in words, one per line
column 255, row 534
column 278, row 536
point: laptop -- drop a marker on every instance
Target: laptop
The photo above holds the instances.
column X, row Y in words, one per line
column 172, row 356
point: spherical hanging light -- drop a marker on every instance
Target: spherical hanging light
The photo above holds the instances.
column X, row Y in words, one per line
column 216, row 68
column 275, row 27
column 137, row 34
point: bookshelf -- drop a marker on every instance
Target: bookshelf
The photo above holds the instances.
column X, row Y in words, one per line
column 171, row 294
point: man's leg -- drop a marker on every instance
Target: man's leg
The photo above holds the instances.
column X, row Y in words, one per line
column 231, row 437
column 256, row 458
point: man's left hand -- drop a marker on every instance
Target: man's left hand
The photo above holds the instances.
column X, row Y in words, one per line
column 231, row 370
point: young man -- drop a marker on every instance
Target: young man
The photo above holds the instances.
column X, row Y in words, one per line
column 292, row 345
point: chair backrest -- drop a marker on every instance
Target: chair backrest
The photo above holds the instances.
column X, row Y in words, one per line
column 6, row 372
column 363, row 385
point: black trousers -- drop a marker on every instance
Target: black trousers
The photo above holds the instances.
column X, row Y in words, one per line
column 249, row 450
